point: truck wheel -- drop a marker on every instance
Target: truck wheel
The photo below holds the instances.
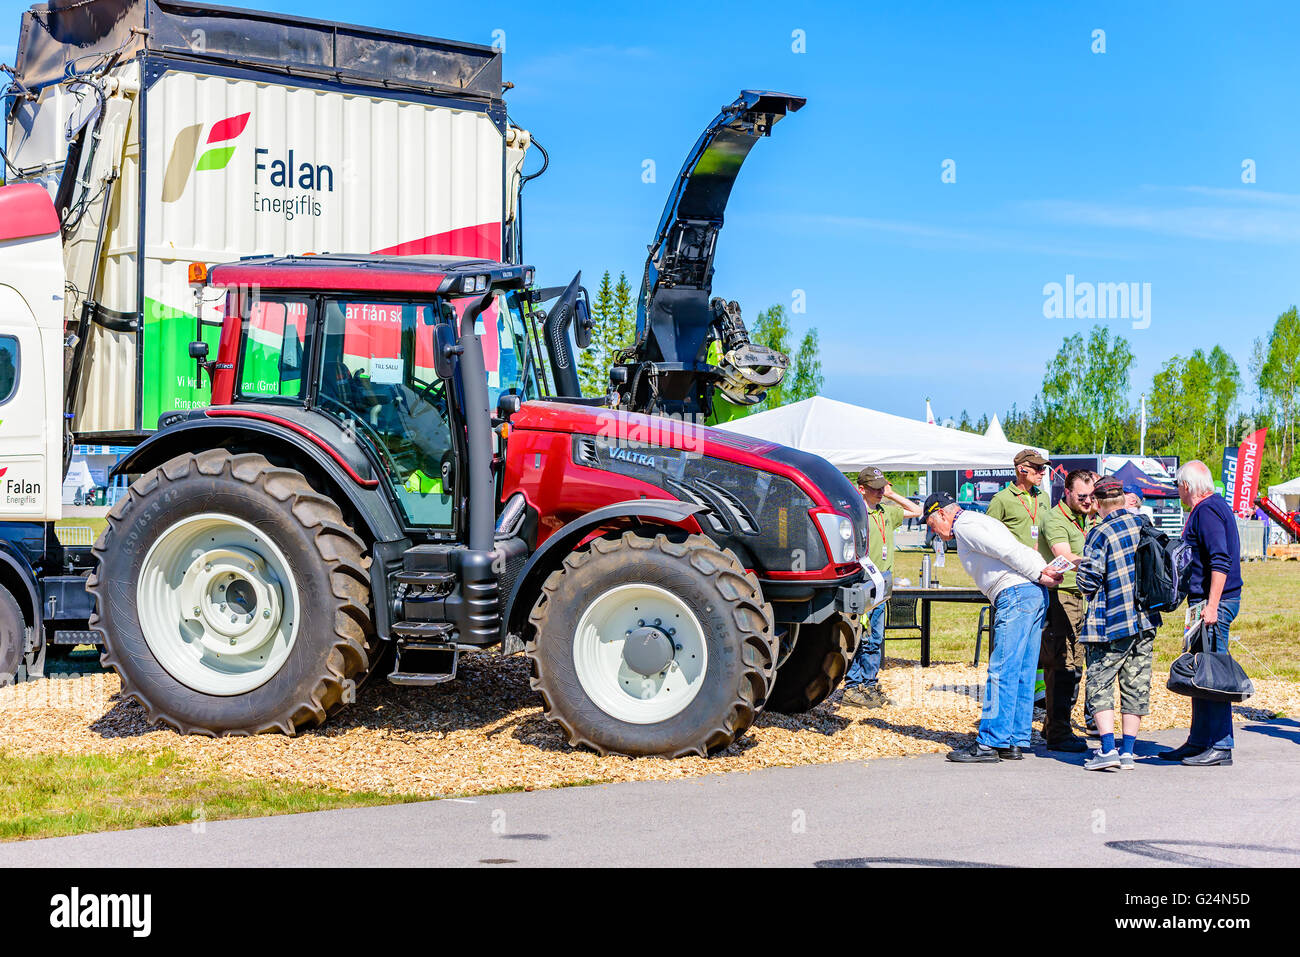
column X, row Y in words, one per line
column 646, row 646
column 817, row 664
column 232, row 597
column 13, row 637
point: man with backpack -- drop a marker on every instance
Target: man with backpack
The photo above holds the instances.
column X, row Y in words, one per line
column 1214, row 596
column 1118, row 634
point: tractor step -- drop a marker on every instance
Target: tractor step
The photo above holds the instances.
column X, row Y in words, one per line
column 437, row 631
column 75, row 638
column 423, row 663
column 439, row 581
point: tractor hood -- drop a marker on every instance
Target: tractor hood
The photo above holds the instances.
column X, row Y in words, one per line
column 820, row 480
column 673, row 314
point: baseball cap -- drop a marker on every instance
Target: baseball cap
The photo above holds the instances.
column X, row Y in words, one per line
column 935, row 502
column 1030, row 457
column 1108, row 487
column 872, row 477
column 1132, row 488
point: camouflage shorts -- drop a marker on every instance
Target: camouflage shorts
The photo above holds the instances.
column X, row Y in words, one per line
column 1129, row 660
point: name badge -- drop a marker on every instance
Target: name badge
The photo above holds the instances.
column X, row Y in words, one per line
column 1033, row 531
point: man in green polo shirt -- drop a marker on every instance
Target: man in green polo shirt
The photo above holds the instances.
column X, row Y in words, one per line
column 1023, row 505
column 886, row 511
column 1060, row 656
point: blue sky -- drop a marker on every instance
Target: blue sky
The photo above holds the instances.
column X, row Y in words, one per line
column 1122, row 166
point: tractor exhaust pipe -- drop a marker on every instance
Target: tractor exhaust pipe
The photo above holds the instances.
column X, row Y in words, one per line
column 480, row 489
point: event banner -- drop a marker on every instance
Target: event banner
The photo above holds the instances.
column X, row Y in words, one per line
column 1246, row 487
column 1229, row 473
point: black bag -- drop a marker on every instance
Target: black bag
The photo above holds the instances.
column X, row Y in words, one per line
column 1161, row 569
column 1211, row 675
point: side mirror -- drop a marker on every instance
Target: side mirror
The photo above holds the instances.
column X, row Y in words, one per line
column 445, row 349
column 582, row 322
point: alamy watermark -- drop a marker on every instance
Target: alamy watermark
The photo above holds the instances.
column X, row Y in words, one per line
column 1129, row 301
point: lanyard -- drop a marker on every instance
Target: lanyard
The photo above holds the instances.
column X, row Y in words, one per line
column 880, row 526
column 1033, row 516
column 1066, row 513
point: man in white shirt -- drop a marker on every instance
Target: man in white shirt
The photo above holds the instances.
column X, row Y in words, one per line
column 1014, row 578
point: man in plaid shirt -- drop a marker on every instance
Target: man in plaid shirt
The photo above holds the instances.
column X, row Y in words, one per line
column 1118, row 636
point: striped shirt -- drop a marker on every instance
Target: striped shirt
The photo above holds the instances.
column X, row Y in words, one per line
column 1108, row 578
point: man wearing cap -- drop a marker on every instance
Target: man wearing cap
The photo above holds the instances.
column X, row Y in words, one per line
column 1118, row 635
column 1061, row 658
column 1023, row 505
column 1014, row 577
column 861, row 683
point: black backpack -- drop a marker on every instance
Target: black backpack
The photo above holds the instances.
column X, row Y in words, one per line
column 1161, row 569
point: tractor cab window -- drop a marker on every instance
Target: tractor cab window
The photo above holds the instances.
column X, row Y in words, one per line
column 507, row 350
column 274, row 349
column 377, row 372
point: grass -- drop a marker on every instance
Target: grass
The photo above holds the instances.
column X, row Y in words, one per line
column 52, row 795
column 1269, row 623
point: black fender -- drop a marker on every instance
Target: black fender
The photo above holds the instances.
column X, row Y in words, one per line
column 15, row 570
column 197, row 433
column 547, row 558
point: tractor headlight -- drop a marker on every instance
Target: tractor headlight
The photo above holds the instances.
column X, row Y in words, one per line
column 838, row 531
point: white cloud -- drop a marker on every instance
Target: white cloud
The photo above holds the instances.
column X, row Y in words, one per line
column 1253, row 219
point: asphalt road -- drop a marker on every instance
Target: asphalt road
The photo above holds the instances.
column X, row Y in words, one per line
column 889, row 812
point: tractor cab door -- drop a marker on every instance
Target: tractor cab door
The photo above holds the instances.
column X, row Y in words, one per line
column 377, row 371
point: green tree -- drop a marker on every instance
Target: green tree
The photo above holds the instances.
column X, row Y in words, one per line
column 594, row 361
column 1085, row 394
column 613, row 315
column 1278, row 382
column 805, row 375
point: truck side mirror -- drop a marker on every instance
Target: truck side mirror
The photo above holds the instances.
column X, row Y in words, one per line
column 445, row 349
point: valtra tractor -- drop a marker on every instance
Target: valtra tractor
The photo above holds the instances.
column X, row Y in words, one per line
column 358, row 492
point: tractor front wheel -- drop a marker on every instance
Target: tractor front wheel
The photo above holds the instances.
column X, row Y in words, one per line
column 648, row 646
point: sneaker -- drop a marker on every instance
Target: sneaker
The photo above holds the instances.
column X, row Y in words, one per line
column 866, row 696
column 1090, row 727
column 975, row 753
column 1126, row 762
column 1102, row 760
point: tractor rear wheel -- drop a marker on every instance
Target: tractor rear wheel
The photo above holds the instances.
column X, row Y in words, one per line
column 816, row 665
column 649, row 646
column 13, row 637
column 232, row 597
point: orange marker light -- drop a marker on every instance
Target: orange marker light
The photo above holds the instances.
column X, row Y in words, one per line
column 198, row 273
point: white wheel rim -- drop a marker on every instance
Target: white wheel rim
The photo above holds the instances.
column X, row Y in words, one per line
column 603, row 671
column 218, row 605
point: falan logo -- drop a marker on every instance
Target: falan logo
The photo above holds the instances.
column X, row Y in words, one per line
column 636, row 458
column 75, row 909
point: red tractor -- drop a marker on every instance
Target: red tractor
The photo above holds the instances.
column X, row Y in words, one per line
column 373, row 491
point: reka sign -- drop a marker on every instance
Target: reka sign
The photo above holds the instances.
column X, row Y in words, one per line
column 1246, row 486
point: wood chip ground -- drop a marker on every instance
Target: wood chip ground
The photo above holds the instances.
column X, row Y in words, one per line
column 485, row 731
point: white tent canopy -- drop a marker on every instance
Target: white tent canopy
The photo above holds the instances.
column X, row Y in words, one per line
column 1286, row 496
column 851, row 437
column 994, row 431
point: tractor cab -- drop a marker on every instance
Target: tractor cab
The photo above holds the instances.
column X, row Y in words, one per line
column 372, row 343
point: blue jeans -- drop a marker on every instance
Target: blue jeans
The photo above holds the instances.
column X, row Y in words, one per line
column 865, row 666
column 1212, row 720
column 1008, row 714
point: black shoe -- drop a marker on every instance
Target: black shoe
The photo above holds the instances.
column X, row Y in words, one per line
column 1072, row 744
column 1180, row 752
column 1210, row 757
column 1012, row 753
column 976, row 753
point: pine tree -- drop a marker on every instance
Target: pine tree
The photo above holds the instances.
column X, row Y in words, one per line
column 594, row 361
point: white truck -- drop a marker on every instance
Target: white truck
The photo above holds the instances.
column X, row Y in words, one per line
column 171, row 137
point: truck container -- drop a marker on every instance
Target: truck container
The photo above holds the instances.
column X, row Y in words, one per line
column 203, row 134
